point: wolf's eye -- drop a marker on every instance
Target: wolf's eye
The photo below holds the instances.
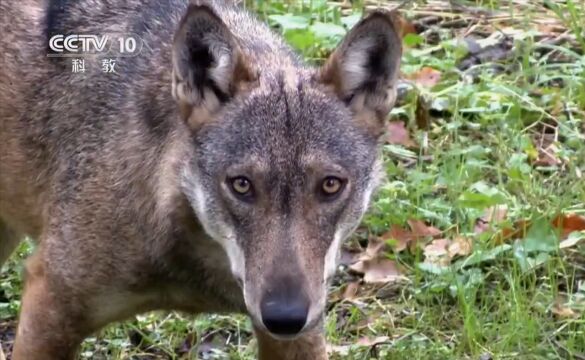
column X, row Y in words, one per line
column 331, row 185
column 241, row 185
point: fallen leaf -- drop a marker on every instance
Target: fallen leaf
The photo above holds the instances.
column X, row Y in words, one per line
column 548, row 28
column 519, row 230
column 397, row 134
column 377, row 270
column 437, row 248
column 573, row 239
column 541, row 237
column 351, row 291
column 437, row 252
column 565, row 224
column 420, row 229
column 569, row 223
column 342, row 350
column 548, row 156
column 375, row 248
column 372, row 341
column 426, row 77
column 492, row 215
column 401, row 237
column 547, row 150
column 496, row 213
column 481, row 226
column 563, row 311
column 459, row 246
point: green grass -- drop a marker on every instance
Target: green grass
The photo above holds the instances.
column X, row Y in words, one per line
column 479, row 151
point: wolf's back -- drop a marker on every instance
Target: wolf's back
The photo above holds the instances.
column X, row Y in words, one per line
column 29, row 78
column 43, row 94
column 62, row 127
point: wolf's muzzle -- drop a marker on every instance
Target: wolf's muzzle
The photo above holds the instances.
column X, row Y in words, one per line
column 284, row 309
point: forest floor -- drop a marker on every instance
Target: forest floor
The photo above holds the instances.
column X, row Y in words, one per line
column 474, row 246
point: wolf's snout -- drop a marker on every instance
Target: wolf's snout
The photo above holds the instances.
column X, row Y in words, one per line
column 284, row 310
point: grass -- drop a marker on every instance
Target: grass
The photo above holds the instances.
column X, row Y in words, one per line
column 479, row 135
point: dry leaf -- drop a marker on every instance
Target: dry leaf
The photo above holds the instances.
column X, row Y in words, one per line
column 375, row 247
column 459, row 246
column 548, row 28
column 437, row 248
column 547, row 150
column 572, row 240
column 437, row 252
column 567, row 223
column 397, row 134
column 426, row 77
column 519, row 230
column 495, row 214
column 350, row 291
column 402, row 237
column 563, row 311
column 377, row 270
column 548, row 156
column 420, row 229
column 370, row 341
column 481, row 226
column 492, row 215
column 342, row 350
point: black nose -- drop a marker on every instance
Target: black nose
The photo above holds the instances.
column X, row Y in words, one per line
column 284, row 312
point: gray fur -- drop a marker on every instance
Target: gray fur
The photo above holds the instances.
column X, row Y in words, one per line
column 126, row 188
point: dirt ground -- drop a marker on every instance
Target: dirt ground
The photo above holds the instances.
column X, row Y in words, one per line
column 7, row 332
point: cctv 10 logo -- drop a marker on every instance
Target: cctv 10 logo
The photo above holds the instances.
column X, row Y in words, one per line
column 77, row 45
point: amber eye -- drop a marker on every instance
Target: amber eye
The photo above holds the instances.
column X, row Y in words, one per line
column 331, row 185
column 241, row 185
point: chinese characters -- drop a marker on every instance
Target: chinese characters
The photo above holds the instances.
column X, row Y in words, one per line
column 108, row 66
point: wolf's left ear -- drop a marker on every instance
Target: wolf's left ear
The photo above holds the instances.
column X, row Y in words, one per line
column 208, row 66
column 364, row 68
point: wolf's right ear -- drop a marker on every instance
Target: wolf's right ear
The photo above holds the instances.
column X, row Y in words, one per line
column 363, row 70
column 208, row 67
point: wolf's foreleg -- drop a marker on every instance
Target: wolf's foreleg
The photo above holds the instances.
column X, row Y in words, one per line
column 50, row 325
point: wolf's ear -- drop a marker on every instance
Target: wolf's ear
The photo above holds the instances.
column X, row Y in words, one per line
column 208, row 67
column 363, row 69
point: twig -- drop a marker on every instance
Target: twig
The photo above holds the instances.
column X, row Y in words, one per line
column 564, row 349
column 402, row 5
column 427, row 20
column 472, row 10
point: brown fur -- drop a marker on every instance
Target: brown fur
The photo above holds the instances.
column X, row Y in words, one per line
column 121, row 179
column 309, row 346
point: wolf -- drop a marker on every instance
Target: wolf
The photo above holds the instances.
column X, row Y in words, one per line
column 213, row 172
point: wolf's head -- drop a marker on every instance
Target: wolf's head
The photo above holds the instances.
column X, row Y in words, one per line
column 286, row 156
